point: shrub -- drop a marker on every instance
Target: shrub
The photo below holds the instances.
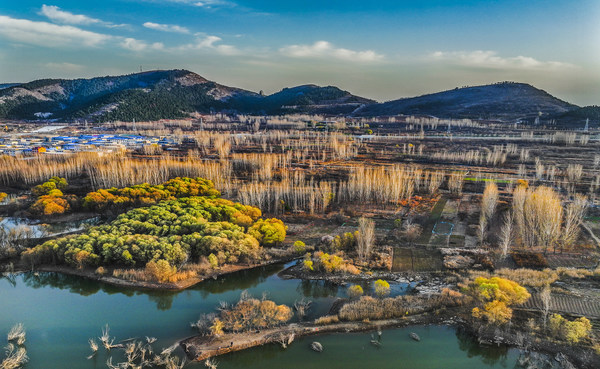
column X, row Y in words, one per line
column 119, row 199
column 326, row 263
column 100, row 271
column 355, row 291
column 213, row 261
column 299, row 247
column 250, row 314
column 268, row 231
column 53, row 184
column 382, row 288
column 2, row 196
column 571, row 331
column 308, row 265
column 160, row 270
column 496, row 294
column 327, row 319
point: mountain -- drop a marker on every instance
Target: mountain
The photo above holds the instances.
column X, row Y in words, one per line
column 143, row 96
column 168, row 94
column 505, row 100
column 304, row 99
column 160, row 95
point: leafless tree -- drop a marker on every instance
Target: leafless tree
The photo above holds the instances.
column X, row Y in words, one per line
column 573, row 217
column 546, row 297
column 365, row 238
column 506, row 233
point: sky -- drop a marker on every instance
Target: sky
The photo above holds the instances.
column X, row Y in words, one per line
column 384, row 50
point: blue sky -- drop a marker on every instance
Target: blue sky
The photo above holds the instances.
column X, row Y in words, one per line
column 381, row 49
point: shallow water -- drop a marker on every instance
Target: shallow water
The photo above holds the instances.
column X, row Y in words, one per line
column 62, row 312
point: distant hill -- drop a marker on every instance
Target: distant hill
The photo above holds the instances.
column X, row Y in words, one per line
column 168, row 94
column 160, row 95
column 7, row 85
column 143, row 96
column 579, row 116
column 303, row 99
column 506, row 100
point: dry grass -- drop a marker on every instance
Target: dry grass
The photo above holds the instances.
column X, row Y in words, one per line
column 327, row 319
column 188, row 271
column 396, row 307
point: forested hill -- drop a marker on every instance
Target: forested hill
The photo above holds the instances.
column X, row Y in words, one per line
column 506, row 100
column 158, row 95
column 173, row 94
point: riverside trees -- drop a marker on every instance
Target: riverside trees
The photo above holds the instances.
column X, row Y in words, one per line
column 174, row 230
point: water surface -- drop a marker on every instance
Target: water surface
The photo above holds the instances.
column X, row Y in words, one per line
column 62, row 312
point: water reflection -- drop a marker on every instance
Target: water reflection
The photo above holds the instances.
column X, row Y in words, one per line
column 490, row 355
column 318, row 288
column 241, row 280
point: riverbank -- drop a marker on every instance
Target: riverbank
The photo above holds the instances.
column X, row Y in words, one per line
column 558, row 354
column 166, row 286
column 200, row 348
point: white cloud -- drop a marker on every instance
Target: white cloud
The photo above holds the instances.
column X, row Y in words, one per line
column 56, row 14
column 324, row 49
column 70, row 67
column 210, row 42
column 166, row 27
column 138, row 45
column 209, row 4
column 491, row 60
column 48, row 34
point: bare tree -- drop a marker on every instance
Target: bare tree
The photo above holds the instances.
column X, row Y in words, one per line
column 365, row 238
column 489, row 201
column 546, row 297
column 573, row 217
column 506, row 233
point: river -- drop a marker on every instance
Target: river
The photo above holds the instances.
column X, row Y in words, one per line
column 61, row 313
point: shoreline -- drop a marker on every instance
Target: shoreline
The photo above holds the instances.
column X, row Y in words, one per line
column 198, row 348
column 157, row 286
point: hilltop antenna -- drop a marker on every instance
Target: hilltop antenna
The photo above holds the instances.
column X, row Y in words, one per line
column 140, row 69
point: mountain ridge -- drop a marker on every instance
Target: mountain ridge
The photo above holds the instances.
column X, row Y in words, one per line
column 164, row 94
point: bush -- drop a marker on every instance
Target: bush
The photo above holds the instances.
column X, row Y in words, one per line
column 53, row 184
column 51, row 199
column 496, row 294
column 355, row 291
column 160, row 271
column 382, row 288
column 213, row 261
column 299, row 247
column 119, row 199
column 268, row 231
column 326, row 263
column 251, row 314
column 571, row 331
column 327, row 319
